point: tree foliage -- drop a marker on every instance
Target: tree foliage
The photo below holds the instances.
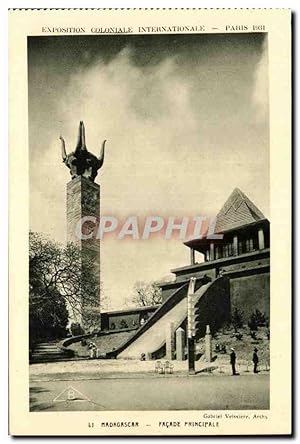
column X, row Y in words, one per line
column 62, row 276
column 146, row 293
column 48, row 315
column 257, row 319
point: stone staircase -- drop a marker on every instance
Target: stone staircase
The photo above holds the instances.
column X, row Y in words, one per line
column 150, row 338
column 48, row 352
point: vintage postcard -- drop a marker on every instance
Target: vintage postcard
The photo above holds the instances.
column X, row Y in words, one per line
column 150, row 222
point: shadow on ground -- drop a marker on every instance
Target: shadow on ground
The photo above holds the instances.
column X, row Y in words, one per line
column 36, row 406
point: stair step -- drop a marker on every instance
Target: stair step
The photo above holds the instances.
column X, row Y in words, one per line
column 47, row 343
column 50, row 350
column 48, row 354
column 49, row 358
column 46, row 349
column 45, row 360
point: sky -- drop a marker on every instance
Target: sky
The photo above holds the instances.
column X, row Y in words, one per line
column 186, row 121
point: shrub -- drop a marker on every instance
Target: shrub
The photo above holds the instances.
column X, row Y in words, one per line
column 257, row 319
column 237, row 319
column 76, row 329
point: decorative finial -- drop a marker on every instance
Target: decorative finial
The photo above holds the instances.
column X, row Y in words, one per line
column 81, row 146
column 80, row 161
column 63, row 149
column 102, row 151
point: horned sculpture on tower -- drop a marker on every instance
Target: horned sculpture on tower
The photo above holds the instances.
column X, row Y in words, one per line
column 81, row 162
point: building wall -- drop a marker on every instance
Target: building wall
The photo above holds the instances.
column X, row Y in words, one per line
column 128, row 319
column 249, row 279
column 245, row 266
column 214, row 307
column 206, row 270
column 248, row 293
column 123, row 321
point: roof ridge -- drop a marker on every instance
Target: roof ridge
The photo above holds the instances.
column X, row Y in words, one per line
column 234, row 214
column 252, row 206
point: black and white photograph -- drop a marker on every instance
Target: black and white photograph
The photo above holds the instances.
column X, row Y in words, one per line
column 154, row 271
column 149, row 245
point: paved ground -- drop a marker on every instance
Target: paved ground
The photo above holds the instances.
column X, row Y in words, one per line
column 97, row 369
column 160, row 392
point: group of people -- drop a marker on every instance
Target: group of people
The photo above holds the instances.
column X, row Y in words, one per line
column 255, row 361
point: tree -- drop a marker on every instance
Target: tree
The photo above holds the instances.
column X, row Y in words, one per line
column 63, row 273
column 48, row 315
column 257, row 319
column 146, row 294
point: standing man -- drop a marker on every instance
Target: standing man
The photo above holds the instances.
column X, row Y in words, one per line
column 255, row 360
column 232, row 361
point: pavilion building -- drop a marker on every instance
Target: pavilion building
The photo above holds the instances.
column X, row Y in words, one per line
column 232, row 273
column 243, row 255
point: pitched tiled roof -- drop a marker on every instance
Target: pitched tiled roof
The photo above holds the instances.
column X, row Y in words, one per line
column 237, row 211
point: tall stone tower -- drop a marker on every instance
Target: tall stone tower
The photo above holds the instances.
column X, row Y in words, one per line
column 83, row 209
